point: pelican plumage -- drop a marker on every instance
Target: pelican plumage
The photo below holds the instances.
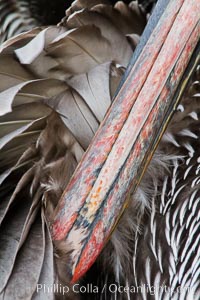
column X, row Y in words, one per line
column 57, row 82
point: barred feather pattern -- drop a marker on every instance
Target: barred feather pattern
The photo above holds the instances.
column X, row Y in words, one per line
column 17, row 16
column 159, row 255
column 51, row 80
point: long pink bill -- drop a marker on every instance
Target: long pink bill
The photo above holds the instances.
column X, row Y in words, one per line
column 97, row 194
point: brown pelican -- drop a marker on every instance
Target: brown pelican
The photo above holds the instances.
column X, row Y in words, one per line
column 56, row 85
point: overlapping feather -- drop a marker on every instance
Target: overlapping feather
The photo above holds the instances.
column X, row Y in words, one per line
column 56, row 85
